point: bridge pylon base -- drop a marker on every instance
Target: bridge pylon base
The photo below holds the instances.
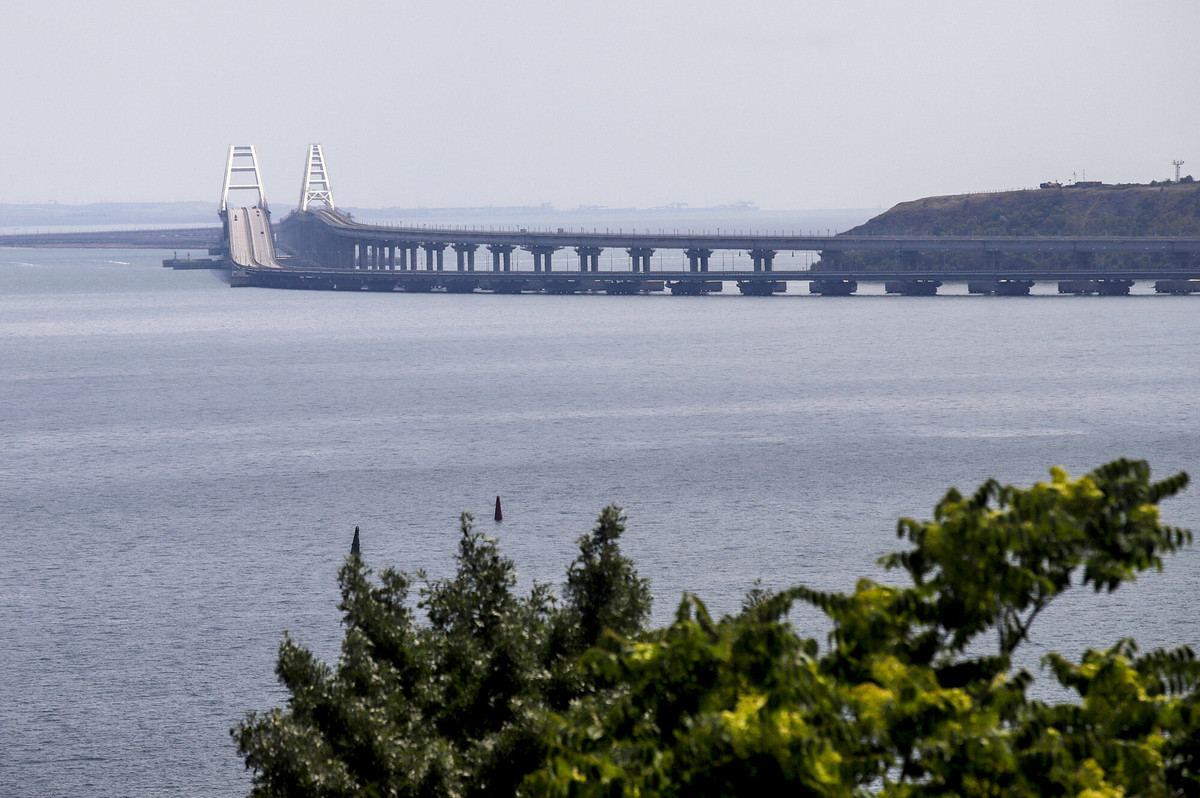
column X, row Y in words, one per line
column 833, row 287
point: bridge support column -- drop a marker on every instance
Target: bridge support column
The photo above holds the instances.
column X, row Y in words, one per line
column 763, row 259
column 434, row 253
column 466, row 256
column 542, row 257
column 833, row 287
column 698, row 259
column 589, row 258
column 1183, row 286
column 639, row 258
column 391, row 254
column 912, row 287
column 501, row 256
column 1113, row 287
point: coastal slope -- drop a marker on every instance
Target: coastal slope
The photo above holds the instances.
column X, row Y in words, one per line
column 1076, row 210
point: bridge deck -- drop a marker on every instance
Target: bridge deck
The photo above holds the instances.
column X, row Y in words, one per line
column 250, row 244
column 358, row 232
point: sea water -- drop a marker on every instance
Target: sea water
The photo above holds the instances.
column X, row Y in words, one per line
column 183, row 466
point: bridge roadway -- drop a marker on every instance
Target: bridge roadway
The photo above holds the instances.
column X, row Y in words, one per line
column 356, row 232
column 251, row 242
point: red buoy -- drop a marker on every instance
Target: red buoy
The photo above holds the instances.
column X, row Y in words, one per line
column 499, row 512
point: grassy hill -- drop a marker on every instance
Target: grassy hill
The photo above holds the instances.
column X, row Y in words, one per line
column 1168, row 209
column 1145, row 210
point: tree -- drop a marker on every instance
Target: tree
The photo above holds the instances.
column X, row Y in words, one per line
column 915, row 693
column 452, row 706
column 603, row 590
column 907, row 700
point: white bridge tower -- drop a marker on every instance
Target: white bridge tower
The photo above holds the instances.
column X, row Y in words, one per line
column 316, row 186
column 241, row 174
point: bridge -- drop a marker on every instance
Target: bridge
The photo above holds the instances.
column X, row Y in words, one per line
column 318, row 247
column 322, row 248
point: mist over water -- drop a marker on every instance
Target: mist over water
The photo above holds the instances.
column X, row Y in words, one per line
column 184, row 465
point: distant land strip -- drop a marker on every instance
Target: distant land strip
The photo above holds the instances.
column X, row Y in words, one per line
column 164, row 238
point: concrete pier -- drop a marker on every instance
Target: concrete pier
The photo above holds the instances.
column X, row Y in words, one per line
column 466, row 256
column 639, row 258
column 434, row 253
column 1177, row 286
column 694, row 287
column 763, row 259
column 698, row 258
column 543, row 257
column 912, row 287
column 761, row 287
column 501, row 256
column 833, row 287
column 589, row 258
column 1000, row 287
column 1113, row 287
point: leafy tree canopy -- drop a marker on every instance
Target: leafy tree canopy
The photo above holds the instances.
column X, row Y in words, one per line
column 914, row 693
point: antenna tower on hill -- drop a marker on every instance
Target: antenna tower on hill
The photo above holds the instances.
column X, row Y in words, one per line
column 1177, row 165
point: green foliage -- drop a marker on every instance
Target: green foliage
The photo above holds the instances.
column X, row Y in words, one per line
column 454, row 706
column 734, row 707
column 906, row 701
column 914, row 695
column 603, row 589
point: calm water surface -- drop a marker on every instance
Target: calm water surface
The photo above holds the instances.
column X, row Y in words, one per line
column 183, row 466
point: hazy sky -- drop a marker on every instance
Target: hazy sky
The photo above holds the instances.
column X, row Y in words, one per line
column 792, row 105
